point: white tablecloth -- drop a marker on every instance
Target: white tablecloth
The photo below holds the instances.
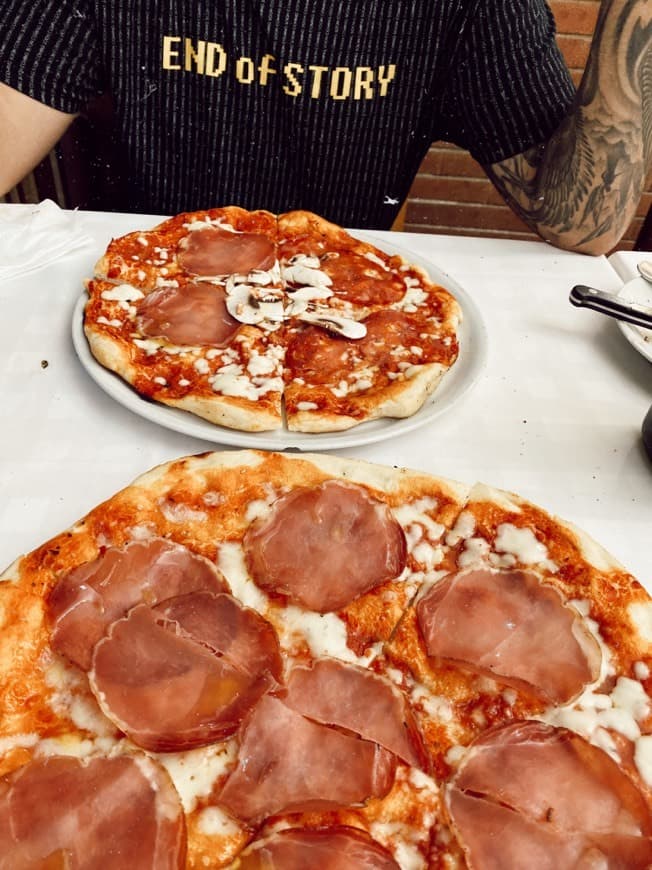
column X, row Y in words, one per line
column 555, row 416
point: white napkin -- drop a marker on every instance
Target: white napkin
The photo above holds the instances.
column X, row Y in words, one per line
column 34, row 236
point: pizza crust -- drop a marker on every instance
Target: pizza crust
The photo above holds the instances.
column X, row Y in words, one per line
column 397, row 400
column 206, row 503
column 229, row 411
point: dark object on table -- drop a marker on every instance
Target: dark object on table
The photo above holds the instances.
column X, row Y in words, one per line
column 647, row 433
column 611, row 305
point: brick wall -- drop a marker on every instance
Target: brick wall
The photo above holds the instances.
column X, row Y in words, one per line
column 451, row 193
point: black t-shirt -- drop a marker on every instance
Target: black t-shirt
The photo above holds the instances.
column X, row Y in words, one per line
column 279, row 104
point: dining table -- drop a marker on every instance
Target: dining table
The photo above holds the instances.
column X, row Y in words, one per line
column 552, row 411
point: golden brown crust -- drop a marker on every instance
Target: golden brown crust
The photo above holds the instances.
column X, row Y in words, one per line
column 395, row 399
column 183, row 377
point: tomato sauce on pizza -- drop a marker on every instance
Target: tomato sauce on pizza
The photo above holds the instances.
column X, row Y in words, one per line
column 252, row 660
column 210, row 312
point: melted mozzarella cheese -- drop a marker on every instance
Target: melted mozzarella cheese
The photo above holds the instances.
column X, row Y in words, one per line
column 76, row 746
column 594, row 714
column 195, row 771
column 148, row 345
column 70, row 700
column 414, row 296
column 524, row 545
column 231, row 562
column 437, row 707
column 214, row 822
column 114, row 322
column 205, row 222
column 264, row 363
column 231, row 380
column 17, row 741
column 475, row 551
column 177, row 512
column 416, row 512
column 123, row 293
column 407, row 834
column 324, row 633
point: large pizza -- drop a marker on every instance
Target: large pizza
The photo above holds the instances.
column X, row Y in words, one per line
column 254, row 321
column 254, row 660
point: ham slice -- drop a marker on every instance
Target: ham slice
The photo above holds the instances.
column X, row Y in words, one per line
column 336, row 848
column 335, row 693
column 89, row 598
column 213, row 252
column 194, row 314
column 556, row 801
column 185, row 673
column 324, row 546
column 234, row 632
column 105, row 812
column 513, row 627
column 287, row 762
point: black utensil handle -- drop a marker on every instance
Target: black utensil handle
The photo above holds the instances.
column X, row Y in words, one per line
column 588, row 297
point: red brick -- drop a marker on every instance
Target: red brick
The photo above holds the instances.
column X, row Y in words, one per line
column 479, row 217
column 575, row 16
column 446, row 188
column 575, row 50
column 451, row 161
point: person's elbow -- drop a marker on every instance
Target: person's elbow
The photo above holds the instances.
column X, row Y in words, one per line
column 583, row 240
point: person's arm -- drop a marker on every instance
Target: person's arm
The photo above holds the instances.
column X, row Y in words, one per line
column 580, row 189
column 28, row 130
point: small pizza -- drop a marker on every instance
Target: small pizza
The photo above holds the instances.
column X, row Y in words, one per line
column 253, row 321
column 253, row 660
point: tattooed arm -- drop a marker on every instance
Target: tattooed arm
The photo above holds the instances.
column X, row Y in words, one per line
column 580, row 189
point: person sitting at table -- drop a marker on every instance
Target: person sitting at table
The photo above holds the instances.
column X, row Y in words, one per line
column 331, row 106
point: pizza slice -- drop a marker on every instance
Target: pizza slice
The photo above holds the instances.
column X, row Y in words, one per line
column 186, row 312
column 374, row 341
column 529, row 619
column 201, row 245
column 181, row 346
column 333, row 382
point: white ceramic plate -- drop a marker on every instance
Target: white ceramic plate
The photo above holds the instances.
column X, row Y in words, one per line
column 637, row 290
column 455, row 384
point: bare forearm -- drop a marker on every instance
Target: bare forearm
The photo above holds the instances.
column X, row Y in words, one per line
column 580, row 190
column 28, row 130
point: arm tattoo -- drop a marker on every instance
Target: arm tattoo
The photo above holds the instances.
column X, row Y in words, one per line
column 585, row 182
